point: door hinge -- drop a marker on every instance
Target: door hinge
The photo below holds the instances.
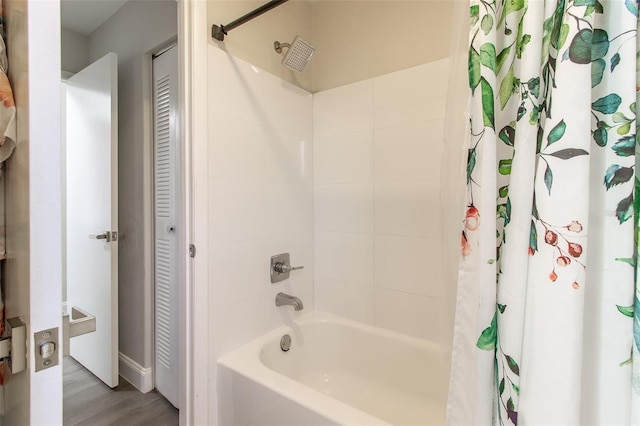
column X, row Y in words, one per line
column 192, row 250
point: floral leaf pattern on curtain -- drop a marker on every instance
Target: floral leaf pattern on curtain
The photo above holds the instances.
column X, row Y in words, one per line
column 633, row 310
column 553, row 154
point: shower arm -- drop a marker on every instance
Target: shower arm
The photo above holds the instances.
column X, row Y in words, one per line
column 277, row 46
column 219, row 31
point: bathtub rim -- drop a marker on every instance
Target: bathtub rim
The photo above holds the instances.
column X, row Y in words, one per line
column 246, row 361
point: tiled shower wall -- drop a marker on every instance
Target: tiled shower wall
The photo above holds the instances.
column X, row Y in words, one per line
column 260, row 189
column 367, row 156
column 377, row 155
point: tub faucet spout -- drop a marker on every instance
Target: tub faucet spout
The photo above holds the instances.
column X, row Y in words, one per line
column 285, row 299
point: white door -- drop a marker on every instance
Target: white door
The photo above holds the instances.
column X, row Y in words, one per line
column 165, row 91
column 92, row 212
column 31, row 273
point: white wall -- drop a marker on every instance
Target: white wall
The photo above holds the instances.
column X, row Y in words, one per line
column 377, row 154
column 75, row 50
column 260, row 189
column 134, row 32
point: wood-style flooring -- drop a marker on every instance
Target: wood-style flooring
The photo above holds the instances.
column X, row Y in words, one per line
column 88, row 401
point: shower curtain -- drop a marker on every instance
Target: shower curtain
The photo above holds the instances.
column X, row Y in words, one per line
column 545, row 315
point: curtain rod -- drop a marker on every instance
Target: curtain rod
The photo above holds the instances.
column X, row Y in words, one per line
column 219, row 31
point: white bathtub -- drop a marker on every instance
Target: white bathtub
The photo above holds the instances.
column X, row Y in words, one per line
column 337, row 372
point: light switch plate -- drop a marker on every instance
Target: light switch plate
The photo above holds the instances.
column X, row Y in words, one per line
column 40, row 339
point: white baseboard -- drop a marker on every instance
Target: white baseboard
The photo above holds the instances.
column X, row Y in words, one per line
column 141, row 378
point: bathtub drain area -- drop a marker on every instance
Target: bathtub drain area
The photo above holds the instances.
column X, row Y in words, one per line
column 285, row 343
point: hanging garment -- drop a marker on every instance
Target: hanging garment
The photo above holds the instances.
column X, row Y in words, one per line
column 545, row 309
column 7, row 108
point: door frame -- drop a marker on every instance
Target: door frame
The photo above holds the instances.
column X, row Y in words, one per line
column 192, row 126
column 194, row 321
column 45, row 400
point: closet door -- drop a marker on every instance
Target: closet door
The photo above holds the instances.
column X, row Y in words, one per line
column 165, row 90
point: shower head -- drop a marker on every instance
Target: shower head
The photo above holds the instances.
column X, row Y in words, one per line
column 298, row 54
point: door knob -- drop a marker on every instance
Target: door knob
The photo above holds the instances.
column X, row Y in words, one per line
column 107, row 236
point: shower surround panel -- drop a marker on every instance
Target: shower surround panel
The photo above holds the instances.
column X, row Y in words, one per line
column 367, row 155
column 260, row 189
column 377, row 155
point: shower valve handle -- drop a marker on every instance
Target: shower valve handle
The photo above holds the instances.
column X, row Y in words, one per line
column 280, row 267
column 283, row 268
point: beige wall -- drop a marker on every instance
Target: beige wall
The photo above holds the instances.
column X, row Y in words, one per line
column 253, row 41
column 355, row 40
column 16, row 176
column 75, row 50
